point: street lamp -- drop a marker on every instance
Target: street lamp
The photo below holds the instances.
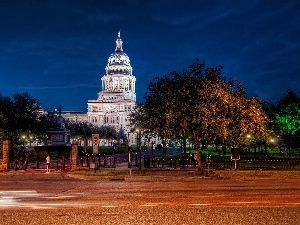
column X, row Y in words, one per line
column 30, row 140
column 248, row 142
column 23, row 140
column 272, row 144
column 129, row 150
column 139, row 146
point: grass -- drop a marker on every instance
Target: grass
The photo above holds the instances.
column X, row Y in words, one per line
column 258, row 174
column 84, row 173
column 114, row 174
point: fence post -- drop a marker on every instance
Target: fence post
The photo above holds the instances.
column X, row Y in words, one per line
column 5, row 154
column 99, row 160
column 63, row 164
column 74, row 155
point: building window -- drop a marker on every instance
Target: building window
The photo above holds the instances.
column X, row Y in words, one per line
column 94, row 119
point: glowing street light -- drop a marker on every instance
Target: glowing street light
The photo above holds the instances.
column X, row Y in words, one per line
column 272, row 143
column 248, row 136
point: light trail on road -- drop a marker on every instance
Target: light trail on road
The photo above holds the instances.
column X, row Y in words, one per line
column 32, row 199
column 59, row 199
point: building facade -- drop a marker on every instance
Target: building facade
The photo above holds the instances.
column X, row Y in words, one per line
column 75, row 116
column 117, row 98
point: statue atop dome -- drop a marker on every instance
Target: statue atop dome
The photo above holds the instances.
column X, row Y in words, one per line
column 119, row 42
column 118, row 77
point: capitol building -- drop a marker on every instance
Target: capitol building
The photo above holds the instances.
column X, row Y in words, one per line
column 117, row 98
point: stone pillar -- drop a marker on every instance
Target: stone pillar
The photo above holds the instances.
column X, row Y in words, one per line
column 5, row 153
column 74, row 155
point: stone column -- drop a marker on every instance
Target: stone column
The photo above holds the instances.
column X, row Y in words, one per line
column 5, row 153
column 74, row 155
column 133, row 86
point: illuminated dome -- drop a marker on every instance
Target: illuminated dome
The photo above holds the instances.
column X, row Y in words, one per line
column 118, row 61
column 117, row 99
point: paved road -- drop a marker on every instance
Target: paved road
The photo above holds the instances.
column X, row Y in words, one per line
column 56, row 198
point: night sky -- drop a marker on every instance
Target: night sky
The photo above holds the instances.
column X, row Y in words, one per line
column 57, row 50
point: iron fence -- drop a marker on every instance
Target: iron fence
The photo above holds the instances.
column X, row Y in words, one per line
column 257, row 164
column 189, row 161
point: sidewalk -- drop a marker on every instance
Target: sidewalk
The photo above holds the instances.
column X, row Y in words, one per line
column 134, row 172
column 31, row 170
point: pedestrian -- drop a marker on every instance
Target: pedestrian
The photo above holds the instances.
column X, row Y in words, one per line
column 48, row 163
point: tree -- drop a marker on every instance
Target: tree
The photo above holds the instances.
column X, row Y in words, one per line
column 18, row 115
column 6, row 116
column 85, row 130
column 288, row 112
column 200, row 103
column 287, row 122
column 270, row 110
column 44, row 122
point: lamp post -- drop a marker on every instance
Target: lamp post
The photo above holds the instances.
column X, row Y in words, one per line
column 30, row 140
column 114, row 155
column 248, row 143
column 23, row 140
column 129, row 150
column 272, row 144
column 139, row 147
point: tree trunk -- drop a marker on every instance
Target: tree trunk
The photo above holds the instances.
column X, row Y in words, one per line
column 198, row 149
column 200, row 168
column 164, row 149
column 197, row 143
column 184, row 145
column 184, row 160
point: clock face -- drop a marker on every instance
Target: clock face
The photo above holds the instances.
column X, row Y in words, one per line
column 57, row 137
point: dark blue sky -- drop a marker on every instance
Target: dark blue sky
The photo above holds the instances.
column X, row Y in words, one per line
column 57, row 50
